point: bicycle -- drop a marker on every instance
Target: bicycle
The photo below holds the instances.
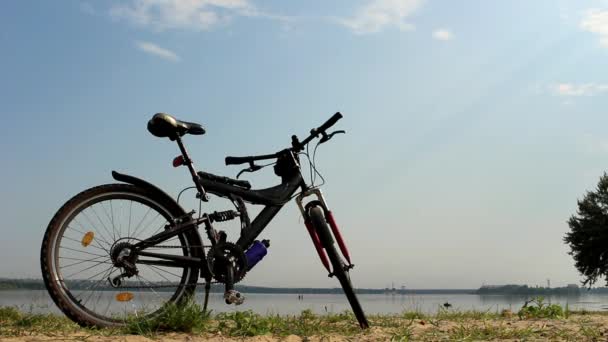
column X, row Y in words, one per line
column 128, row 249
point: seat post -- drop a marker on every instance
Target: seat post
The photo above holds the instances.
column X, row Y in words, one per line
column 190, row 165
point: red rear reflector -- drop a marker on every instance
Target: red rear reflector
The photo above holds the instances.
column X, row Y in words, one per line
column 179, row 161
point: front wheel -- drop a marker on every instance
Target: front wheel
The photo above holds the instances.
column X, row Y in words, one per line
column 90, row 234
column 339, row 268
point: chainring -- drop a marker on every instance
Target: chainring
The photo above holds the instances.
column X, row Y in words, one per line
column 227, row 252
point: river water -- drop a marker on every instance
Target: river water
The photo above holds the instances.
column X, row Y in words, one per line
column 40, row 302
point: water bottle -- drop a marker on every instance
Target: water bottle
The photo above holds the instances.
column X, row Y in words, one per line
column 256, row 252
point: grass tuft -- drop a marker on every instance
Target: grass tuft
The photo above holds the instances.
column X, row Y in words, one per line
column 187, row 317
column 539, row 309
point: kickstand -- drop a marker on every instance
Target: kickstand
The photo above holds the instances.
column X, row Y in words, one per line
column 207, row 288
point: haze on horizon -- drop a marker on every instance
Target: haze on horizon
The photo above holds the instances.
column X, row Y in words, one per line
column 472, row 127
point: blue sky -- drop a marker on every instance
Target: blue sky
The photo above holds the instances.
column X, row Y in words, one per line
column 473, row 126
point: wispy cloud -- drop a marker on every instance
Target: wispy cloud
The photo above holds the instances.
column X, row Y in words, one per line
column 585, row 89
column 156, row 50
column 443, row 34
column 596, row 21
column 198, row 15
column 377, row 15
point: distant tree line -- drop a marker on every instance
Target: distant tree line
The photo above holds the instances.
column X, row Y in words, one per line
column 524, row 290
column 38, row 284
column 24, row 284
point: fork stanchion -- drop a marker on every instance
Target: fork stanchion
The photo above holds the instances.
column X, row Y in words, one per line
column 317, row 242
column 337, row 235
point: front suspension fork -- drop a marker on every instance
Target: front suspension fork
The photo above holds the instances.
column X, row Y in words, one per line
column 329, row 217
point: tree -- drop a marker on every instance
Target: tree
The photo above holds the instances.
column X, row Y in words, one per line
column 588, row 236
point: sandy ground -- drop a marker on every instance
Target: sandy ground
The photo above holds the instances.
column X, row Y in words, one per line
column 575, row 328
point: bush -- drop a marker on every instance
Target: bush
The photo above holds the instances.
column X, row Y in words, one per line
column 540, row 310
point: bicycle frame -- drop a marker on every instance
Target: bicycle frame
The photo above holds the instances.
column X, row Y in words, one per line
column 273, row 198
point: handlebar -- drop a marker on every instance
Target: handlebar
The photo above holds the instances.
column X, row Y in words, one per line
column 332, row 121
column 243, row 160
column 297, row 146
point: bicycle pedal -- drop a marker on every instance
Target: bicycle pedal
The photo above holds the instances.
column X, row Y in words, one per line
column 234, row 297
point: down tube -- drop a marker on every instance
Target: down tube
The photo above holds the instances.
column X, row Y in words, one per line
column 257, row 226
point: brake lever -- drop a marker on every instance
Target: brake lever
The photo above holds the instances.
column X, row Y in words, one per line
column 326, row 137
column 252, row 168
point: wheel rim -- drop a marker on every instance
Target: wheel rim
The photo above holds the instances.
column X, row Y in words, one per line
column 81, row 257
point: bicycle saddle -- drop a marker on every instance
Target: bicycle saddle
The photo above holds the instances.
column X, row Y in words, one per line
column 164, row 125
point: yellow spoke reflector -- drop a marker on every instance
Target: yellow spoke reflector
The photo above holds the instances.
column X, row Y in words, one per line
column 87, row 239
column 124, row 296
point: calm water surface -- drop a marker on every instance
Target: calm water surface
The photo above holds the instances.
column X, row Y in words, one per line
column 40, row 302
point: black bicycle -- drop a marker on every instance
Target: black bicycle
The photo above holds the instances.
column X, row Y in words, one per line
column 124, row 250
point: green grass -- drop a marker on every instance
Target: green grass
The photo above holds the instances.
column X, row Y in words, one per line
column 186, row 318
column 16, row 323
column 539, row 309
column 445, row 324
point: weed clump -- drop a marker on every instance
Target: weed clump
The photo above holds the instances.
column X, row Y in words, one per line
column 539, row 309
column 186, row 317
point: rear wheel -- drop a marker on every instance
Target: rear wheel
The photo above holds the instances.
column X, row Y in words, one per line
column 339, row 267
column 85, row 246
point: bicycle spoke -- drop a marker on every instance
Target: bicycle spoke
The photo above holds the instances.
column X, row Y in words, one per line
column 149, row 288
column 159, row 228
column 93, row 276
column 80, row 259
column 90, row 260
column 119, row 216
column 80, row 242
column 148, row 224
column 94, row 285
column 76, row 250
column 100, row 221
column 142, row 219
column 97, row 238
column 109, row 219
column 89, row 267
column 93, row 225
column 160, row 269
column 112, row 213
column 160, row 274
column 129, row 228
column 97, row 283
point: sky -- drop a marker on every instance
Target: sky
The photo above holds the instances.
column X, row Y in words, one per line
column 473, row 127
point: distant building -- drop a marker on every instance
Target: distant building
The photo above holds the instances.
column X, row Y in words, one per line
column 572, row 286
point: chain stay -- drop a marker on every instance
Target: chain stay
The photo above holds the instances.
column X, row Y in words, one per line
column 163, row 286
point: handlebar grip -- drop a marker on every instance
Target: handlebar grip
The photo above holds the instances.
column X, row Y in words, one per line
column 237, row 160
column 330, row 122
column 248, row 159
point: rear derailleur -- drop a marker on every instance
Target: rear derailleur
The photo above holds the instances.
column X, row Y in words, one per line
column 122, row 257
